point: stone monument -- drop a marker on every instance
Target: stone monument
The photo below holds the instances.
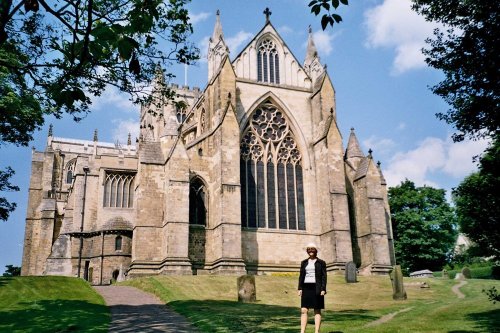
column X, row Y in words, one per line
column 398, row 289
column 351, row 274
column 246, row 289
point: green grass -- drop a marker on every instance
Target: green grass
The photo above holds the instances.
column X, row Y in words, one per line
column 51, row 304
column 210, row 302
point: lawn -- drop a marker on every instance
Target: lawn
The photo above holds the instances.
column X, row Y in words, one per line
column 210, row 302
column 51, row 304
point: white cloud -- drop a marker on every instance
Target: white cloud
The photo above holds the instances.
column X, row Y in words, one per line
column 393, row 24
column 381, row 146
column 112, row 97
column 123, row 127
column 284, row 30
column 195, row 18
column 432, row 157
column 401, row 126
column 203, row 46
column 234, row 42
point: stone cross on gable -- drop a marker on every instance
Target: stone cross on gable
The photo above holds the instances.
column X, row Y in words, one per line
column 268, row 13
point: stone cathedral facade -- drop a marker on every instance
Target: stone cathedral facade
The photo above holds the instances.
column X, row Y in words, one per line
column 238, row 181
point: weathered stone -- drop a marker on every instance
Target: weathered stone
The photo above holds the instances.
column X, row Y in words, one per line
column 246, row 289
column 398, row 289
column 351, row 272
column 179, row 190
column 444, row 274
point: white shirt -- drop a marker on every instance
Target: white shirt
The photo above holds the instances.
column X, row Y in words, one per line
column 310, row 272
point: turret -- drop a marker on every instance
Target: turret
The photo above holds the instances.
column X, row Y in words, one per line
column 217, row 48
column 312, row 64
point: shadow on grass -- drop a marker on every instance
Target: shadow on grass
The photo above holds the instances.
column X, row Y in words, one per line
column 55, row 316
column 232, row 316
column 488, row 320
column 4, row 280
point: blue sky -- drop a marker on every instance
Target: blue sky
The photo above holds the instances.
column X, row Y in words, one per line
column 379, row 74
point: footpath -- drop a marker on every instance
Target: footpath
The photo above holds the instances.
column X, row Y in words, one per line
column 133, row 310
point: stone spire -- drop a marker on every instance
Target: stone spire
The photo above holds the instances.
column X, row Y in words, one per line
column 217, row 48
column 353, row 147
column 217, row 28
column 129, row 139
column 50, row 130
column 382, row 178
column 312, row 64
column 311, row 52
column 95, row 135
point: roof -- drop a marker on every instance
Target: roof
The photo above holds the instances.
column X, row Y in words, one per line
column 117, row 223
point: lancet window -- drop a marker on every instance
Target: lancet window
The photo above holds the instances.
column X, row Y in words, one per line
column 70, row 171
column 181, row 113
column 119, row 190
column 272, row 187
column 268, row 69
column 197, row 202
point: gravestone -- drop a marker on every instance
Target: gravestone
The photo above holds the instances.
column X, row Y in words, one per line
column 445, row 274
column 246, row 289
column 398, row 289
column 351, row 275
column 466, row 272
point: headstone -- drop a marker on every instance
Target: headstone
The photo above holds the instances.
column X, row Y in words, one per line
column 466, row 272
column 445, row 274
column 121, row 275
column 246, row 289
column 398, row 289
column 351, row 275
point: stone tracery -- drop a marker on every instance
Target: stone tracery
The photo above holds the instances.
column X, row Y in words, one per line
column 271, row 172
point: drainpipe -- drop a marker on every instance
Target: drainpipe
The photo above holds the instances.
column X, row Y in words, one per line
column 86, row 170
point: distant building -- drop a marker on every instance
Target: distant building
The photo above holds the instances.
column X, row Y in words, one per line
column 237, row 182
column 422, row 274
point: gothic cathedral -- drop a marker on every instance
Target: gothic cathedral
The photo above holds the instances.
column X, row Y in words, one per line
column 237, row 181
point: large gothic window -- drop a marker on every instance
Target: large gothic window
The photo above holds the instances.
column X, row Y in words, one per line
column 119, row 190
column 197, row 202
column 272, row 189
column 268, row 62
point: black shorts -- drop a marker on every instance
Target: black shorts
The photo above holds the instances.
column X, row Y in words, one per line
column 310, row 299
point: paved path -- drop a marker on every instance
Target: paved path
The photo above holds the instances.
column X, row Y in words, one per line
column 456, row 289
column 133, row 310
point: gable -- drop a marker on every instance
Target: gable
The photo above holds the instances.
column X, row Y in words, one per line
column 291, row 72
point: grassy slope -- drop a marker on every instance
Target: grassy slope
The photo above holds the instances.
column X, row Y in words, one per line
column 51, row 304
column 210, row 303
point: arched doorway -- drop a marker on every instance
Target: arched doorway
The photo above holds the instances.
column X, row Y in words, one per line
column 197, row 223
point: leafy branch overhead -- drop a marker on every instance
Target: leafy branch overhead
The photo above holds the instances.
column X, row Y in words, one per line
column 329, row 18
column 55, row 56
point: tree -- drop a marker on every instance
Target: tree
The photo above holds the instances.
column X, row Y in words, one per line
column 56, row 55
column 12, row 271
column 5, row 206
column 478, row 205
column 467, row 50
column 329, row 18
column 424, row 226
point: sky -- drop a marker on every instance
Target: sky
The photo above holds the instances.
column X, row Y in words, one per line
column 379, row 74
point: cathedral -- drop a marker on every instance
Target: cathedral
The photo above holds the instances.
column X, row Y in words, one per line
column 236, row 180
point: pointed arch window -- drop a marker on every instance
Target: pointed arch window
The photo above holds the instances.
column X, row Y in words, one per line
column 268, row 62
column 118, row 243
column 119, row 190
column 70, row 171
column 272, row 190
column 197, row 203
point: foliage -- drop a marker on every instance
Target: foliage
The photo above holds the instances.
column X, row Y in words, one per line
column 467, row 50
column 477, row 202
column 424, row 226
column 5, row 186
column 317, row 6
column 56, row 56
column 210, row 303
column 12, row 271
column 492, row 294
column 50, row 304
